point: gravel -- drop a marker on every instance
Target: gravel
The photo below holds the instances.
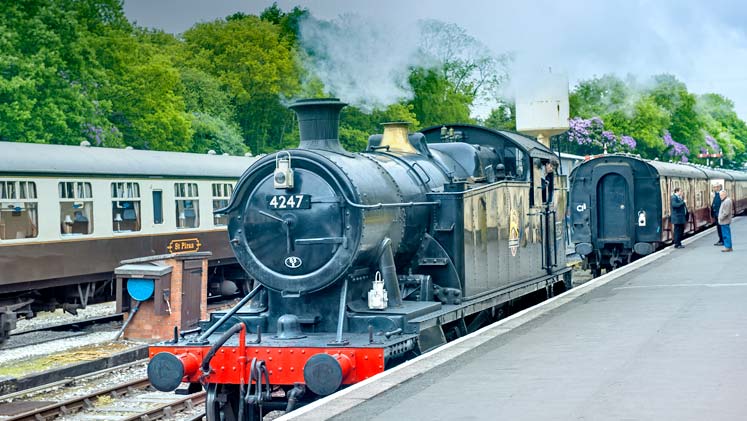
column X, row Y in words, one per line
column 54, row 347
column 51, row 318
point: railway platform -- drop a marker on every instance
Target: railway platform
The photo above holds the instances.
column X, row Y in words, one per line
column 662, row 338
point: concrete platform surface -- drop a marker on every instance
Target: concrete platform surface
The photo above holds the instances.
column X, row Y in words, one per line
column 667, row 341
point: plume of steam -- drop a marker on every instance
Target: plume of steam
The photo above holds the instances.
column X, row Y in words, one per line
column 366, row 64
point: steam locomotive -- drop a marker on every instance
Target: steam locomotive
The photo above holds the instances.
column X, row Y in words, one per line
column 363, row 260
column 619, row 205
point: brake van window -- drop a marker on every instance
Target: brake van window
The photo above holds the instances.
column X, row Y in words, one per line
column 18, row 210
column 76, row 208
column 187, row 205
column 125, row 207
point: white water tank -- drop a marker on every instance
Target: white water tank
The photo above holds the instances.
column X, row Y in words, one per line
column 542, row 105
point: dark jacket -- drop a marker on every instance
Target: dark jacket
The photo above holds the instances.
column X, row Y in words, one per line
column 679, row 210
column 715, row 205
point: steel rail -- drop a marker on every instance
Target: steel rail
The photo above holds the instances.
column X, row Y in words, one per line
column 73, row 405
column 168, row 410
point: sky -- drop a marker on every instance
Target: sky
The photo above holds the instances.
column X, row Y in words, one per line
column 703, row 43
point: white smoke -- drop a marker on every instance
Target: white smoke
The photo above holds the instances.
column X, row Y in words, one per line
column 362, row 62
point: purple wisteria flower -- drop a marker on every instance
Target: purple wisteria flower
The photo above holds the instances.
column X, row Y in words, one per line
column 608, row 137
column 703, row 150
column 579, row 131
column 711, row 142
column 675, row 148
column 95, row 133
column 591, row 132
column 628, row 141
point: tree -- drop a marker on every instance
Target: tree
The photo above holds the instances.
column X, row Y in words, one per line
column 721, row 123
column 600, row 96
column 502, row 117
column 256, row 66
column 356, row 125
column 214, row 133
column 672, row 95
column 48, row 82
column 145, row 90
column 436, row 100
column 466, row 63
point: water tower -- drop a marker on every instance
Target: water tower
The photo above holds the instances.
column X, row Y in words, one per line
column 542, row 105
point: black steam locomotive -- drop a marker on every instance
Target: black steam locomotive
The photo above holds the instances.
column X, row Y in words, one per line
column 365, row 259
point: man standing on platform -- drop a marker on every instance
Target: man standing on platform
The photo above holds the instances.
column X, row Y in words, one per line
column 678, row 217
column 715, row 207
column 725, row 213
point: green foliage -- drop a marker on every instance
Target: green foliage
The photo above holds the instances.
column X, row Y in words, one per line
column 356, row 125
column 502, row 117
column 74, row 70
column 720, row 121
column 288, row 22
column 647, row 111
column 672, row 95
column 47, row 86
column 257, row 66
column 436, row 100
column 214, row 133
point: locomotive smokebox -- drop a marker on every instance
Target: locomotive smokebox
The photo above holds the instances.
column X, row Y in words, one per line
column 319, row 122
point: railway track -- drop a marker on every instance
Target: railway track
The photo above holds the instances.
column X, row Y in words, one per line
column 55, row 331
column 75, row 324
column 155, row 407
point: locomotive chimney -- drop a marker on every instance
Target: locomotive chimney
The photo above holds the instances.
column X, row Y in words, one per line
column 318, row 122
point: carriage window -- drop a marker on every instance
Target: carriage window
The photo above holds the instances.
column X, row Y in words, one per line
column 18, row 210
column 76, row 208
column 157, row 207
column 187, row 205
column 125, row 207
column 221, row 193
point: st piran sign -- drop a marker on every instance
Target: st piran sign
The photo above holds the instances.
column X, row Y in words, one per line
column 184, row 245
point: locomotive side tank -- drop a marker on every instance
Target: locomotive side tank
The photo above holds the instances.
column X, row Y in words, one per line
column 365, row 259
column 620, row 205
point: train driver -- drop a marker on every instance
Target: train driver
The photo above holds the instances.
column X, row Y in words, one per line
column 548, row 183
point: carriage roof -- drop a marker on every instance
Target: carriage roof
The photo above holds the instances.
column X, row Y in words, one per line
column 673, row 169
column 485, row 136
column 31, row 158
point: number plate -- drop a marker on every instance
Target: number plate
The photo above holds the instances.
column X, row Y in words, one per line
column 289, row 201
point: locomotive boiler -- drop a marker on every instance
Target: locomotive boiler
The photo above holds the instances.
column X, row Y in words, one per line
column 365, row 259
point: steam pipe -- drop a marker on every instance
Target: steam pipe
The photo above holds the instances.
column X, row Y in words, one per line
column 218, row 344
column 296, row 393
column 341, row 313
column 230, row 314
column 389, row 273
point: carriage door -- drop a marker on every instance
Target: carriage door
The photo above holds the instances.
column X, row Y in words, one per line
column 614, row 205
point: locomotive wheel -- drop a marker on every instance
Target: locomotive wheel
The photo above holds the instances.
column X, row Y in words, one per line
column 222, row 403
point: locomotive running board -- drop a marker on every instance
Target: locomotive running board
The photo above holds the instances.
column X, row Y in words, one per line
column 454, row 312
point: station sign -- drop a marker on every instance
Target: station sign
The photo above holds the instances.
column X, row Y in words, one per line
column 185, row 245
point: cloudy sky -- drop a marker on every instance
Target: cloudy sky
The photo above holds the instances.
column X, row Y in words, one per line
column 702, row 43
